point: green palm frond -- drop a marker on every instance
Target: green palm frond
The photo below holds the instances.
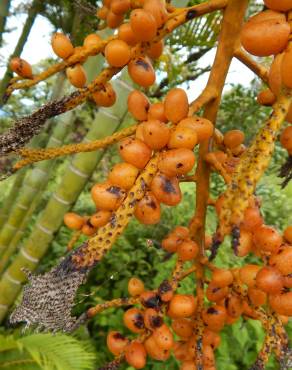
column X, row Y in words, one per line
column 200, row 32
column 45, row 352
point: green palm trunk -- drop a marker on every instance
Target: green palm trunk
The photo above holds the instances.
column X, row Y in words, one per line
column 9, row 200
column 79, row 170
column 31, row 191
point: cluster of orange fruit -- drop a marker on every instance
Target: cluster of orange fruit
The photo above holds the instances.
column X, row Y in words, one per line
column 164, row 127
column 226, row 303
column 267, row 34
column 142, row 26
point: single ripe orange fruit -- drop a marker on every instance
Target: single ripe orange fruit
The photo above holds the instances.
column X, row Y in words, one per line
column 126, row 34
column 138, row 105
column 266, row 33
column 92, row 41
column 74, row 221
column 120, row 6
column 21, row 67
column 176, row 105
column 135, row 152
column 141, row 71
column 117, row 53
column 76, row 75
column 143, row 24
column 156, row 134
column 62, row 46
column 106, row 96
column 123, row 175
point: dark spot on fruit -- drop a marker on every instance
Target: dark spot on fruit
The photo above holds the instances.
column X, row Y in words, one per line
column 142, row 63
column 179, row 165
column 168, row 186
column 212, row 311
column 152, row 204
column 164, row 287
column 114, row 190
column 119, row 336
column 156, row 321
column 139, row 321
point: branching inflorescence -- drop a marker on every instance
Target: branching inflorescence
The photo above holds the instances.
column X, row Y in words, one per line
column 158, row 154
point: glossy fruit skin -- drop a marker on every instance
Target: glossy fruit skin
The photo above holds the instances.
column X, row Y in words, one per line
column 135, row 152
column 126, row 34
column 105, row 97
column 155, row 50
column 233, row 138
column 214, row 317
column 114, row 20
column 102, row 12
column 117, row 53
column 176, row 106
column 100, row 218
column 135, row 287
column 266, row 98
column 123, row 175
column 267, row 239
column 143, row 24
column 74, row 221
column 202, row 126
column 154, row 351
column 182, row 305
column 234, row 306
column 139, row 132
column 279, row 5
column 135, row 354
column 92, row 40
column 21, row 67
column 138, row 105
column 269, row 280
column 211, row 338
column 214, row 293
column 158, row 10
column 252, row 219
column 188, row 250
column 265, row 35
column 245, row 243
column 288, row 234
column 76, row 75
column 257, row 296
column 286, row 66
column 156, row 111
column 156, row 134
column 222, row 277
column 133, row 320
column 282, row 303
column 182, row 327
column 116, row 342
column 148, row 210
column 247, row 274
column 176, row 162
column 182, row 137
column 283, row 261
column 62, row 46
column 166, row 190
column 286, row 138
column 163, row 337
column 141, row 71
column 120, row 7
column 171, row 243
column 106, row 196
column 88, row 229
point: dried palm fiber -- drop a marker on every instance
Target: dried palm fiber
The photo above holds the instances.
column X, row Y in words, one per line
column 48, row 299
column 75, row 177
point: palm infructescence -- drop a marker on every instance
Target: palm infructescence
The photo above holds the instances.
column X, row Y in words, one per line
column 225, row 167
